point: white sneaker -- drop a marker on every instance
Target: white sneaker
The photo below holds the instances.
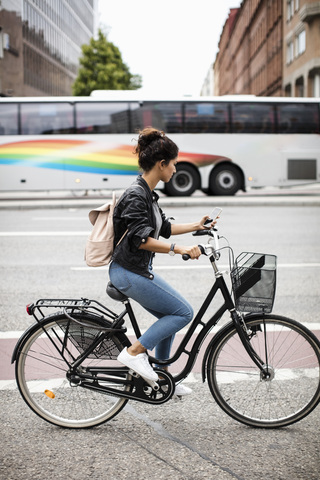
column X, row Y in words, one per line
column 182, row 390
column 139, row 364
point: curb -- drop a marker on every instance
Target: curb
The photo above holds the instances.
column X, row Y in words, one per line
column 238, row 201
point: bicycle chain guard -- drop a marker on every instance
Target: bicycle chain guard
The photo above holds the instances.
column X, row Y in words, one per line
column 140, row 389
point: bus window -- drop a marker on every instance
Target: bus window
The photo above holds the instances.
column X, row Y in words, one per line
column 166, row 116
column 9, row 119
column 252, row 118
column 206, row 118
column 46, row 118
column 102, row 117
column 298, row 118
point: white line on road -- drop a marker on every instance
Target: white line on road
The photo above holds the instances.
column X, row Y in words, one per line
column 190, row 266
column 44, row 234
column 44, row 219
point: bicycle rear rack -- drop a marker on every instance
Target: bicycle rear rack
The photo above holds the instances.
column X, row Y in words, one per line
column 68, row 307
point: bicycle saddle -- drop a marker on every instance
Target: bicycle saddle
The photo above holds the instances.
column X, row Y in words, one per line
column 115, row 294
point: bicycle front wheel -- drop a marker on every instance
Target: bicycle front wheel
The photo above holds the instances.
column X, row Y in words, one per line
column 43, row 371
column 291, row 388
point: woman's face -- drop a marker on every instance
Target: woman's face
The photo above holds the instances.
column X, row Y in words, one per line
column 168, row 170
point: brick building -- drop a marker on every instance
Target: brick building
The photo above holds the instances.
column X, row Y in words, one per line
column 301, row 52
column 40, row 44
column 270, row 48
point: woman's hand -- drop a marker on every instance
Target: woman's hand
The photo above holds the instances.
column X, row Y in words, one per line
column 202, row 225
column 178, row 229
column 193, row 251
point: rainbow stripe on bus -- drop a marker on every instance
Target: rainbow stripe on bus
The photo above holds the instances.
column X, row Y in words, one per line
column 82, row 156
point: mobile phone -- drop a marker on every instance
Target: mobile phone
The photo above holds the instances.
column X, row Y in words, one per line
column 214, row 215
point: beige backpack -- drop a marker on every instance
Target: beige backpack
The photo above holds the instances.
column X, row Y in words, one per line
column 99, row 246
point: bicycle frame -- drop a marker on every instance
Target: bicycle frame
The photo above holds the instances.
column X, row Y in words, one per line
column 228, row 305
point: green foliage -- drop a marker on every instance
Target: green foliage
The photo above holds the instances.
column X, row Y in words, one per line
column 102, row 68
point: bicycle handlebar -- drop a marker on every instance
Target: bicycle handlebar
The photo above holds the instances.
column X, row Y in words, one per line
column 208, row 249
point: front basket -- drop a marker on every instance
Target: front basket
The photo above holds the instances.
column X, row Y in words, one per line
column 253, row 279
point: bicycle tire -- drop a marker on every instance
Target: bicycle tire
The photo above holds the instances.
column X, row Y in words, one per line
column 290, row 393
column 41, row 371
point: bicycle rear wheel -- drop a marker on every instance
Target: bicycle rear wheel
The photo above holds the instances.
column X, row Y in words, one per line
column 292, row 360
column 43, row 377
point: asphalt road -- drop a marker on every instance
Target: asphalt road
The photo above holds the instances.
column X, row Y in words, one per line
column 41, row 255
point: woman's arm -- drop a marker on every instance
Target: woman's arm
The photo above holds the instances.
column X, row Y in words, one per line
column 190, row 227
column 158, row 246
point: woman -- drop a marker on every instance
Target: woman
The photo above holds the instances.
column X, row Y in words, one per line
column 138, row 214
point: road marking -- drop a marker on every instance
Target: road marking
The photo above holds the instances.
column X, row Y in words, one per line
column 59, row 218
column 44, row 234
column 8, row 385
column 201, row 267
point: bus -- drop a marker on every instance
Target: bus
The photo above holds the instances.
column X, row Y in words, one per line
column 225, row 143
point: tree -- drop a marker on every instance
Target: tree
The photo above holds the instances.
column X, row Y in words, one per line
column 102, row 68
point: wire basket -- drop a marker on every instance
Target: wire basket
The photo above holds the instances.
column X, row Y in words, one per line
column 83, row 337
column 253, row 279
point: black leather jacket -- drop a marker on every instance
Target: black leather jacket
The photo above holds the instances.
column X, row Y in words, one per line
column 134, row 212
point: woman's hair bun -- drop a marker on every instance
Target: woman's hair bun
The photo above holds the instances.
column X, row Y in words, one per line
column 149, row 135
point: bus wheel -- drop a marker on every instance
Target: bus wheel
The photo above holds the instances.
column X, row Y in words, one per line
column 184, row 182
column 225, row 180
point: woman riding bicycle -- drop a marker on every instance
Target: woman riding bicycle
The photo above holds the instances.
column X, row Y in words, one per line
column 138, row 224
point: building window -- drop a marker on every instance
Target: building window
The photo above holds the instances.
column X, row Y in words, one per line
column 290, row 9
column 287, row 90
column 300, row 87
column 290, row 52
column 300, row 43
column 316, row 85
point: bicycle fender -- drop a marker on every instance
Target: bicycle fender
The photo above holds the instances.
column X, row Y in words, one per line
column 21, row 340
column 28, row 332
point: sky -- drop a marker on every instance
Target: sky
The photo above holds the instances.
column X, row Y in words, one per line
column 170, row 43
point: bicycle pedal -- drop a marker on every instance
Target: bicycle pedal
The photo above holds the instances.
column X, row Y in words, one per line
column 154, row 385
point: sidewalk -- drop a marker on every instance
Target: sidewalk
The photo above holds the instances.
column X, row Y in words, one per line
column 306, row 195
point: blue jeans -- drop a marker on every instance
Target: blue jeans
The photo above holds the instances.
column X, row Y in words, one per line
column 161, row 300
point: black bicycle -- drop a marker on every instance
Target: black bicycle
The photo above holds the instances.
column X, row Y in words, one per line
column 262, row 369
